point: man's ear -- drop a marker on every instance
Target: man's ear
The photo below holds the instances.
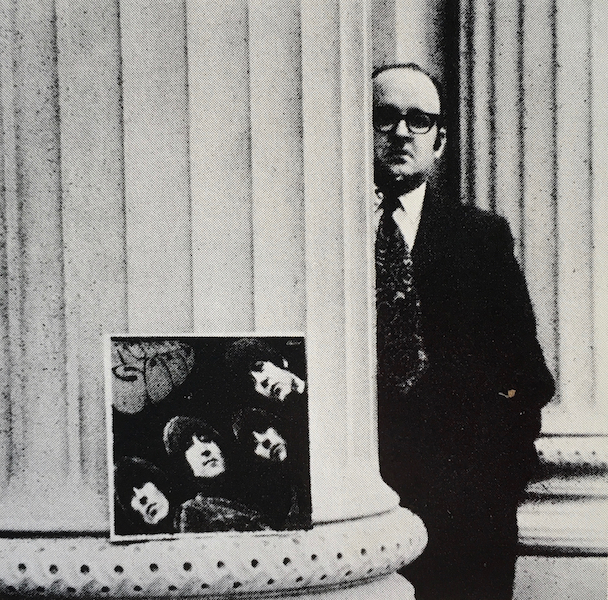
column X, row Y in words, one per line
column 440, row 140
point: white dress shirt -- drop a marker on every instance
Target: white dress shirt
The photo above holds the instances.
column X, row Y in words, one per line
column 408, row 216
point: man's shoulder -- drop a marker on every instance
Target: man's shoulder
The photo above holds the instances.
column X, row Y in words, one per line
column 469, row 218
column 483, row 221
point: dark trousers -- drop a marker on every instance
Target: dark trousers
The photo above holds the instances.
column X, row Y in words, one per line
column 461, row 464
column 472, row 546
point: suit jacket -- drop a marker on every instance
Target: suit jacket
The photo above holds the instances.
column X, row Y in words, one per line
column 461, row 426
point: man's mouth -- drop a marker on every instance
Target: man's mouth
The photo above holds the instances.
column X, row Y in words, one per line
column 211, row 461
column 402, row 155
column 152, row 510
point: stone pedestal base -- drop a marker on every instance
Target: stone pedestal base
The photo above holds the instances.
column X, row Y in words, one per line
column 343, row 560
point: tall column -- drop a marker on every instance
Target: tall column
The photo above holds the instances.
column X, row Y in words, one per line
column 268, row 168
column 533, row 84
column 527, row 124
column 339, row 306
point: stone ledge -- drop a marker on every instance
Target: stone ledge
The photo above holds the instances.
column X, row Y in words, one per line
column 567, row 453
column 561, row 526
column 566, row 511
column 251, row 564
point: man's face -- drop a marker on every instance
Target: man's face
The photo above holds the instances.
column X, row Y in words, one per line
column 205, row 458
column 270, row 445
column 274, row 382
column 403, row 159
column 150, row 503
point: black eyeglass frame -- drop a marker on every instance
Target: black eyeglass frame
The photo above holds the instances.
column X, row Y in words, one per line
column 391, row 126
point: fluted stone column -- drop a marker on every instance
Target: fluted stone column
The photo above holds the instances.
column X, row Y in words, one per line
column 532, row 126
column 187, row 167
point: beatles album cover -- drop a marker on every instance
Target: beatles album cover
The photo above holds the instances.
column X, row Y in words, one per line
column 207, row 434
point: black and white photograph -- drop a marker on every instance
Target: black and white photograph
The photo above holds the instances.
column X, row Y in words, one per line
column 207, row 434
column 304, row 299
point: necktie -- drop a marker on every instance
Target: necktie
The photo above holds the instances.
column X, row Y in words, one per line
column 401, row 356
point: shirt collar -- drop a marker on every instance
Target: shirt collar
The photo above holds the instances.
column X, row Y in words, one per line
column 411, row 202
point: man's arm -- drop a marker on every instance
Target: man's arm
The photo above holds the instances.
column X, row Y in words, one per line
column 532, row 384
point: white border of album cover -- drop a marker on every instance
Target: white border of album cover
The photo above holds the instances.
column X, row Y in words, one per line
column 160, row 389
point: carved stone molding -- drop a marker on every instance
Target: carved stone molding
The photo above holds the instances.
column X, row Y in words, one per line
column 566, row 512
column 328, row 556
column 567, row 452
column 564, row 526
column 573, row 467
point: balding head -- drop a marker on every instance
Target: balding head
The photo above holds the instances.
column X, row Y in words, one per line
column 409, row 136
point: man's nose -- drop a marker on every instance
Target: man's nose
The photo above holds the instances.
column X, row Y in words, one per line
column 401, row 130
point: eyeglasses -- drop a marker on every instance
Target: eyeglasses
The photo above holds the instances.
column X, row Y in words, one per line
column 386, row 120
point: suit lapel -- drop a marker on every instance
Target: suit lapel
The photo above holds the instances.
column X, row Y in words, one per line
column 435, row 236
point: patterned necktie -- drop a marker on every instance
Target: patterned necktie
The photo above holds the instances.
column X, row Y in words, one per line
column 401, row 355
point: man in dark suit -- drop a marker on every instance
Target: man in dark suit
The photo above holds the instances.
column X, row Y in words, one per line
column 461, row 376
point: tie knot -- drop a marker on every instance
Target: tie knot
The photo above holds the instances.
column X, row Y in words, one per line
column 390, row 203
